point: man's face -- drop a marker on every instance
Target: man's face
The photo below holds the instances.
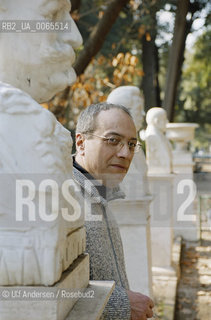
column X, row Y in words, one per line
column 39, row 63
column 103, row 161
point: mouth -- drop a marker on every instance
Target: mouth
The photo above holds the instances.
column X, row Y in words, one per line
column 64, row 54
column 71, row 76
column 119, row 167
column 65, row 77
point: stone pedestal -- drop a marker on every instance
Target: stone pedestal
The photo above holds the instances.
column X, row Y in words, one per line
column 34, row 256
column 186, row 218
column 165, row 283
column 182, row 162
column 134, row 223
column 181, row 134
column 186, row 221
column 41, row 240
column 136, row 177
column 164, row 280
column 91, row 308
column 50, row 303
column 74, row 297
column 165, row 251
column 161, row 211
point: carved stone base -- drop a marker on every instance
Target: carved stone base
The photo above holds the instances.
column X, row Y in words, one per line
column 92, row 308
column 186, row 215
column 75, row 279
column 37, row 256
column 162, row 210
column 165, row 283
column 164, row 293
column 132, row 217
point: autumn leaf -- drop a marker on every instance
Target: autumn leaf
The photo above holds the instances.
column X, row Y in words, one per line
column 114, row 62
column 148, row 37
column 44, row 105
column 133, row 61
column 100, row 14
column 141, row 31
column 120, row 56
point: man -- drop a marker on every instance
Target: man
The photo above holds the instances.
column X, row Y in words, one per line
column 105, row 143
column 131, row 98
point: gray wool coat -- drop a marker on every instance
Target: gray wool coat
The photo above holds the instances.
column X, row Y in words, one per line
column 104, row 245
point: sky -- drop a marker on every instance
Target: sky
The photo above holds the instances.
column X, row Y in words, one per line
column 165, row 17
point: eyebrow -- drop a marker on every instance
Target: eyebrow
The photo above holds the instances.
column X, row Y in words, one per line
column 119, row 135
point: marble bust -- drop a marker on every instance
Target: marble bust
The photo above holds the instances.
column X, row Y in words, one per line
column 131, row 98
column 38, row 63
column 158, row 148
column 34, row 146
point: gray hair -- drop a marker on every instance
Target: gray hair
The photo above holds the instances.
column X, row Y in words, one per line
column 87, row 118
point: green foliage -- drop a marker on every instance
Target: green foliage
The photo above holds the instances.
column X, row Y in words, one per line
column 89, row 12
column 117, row 40
column 110, row 67
column 195, row 90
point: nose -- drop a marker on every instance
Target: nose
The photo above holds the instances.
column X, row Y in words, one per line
column 73, row 36
column 125, row 152
column 76, row 38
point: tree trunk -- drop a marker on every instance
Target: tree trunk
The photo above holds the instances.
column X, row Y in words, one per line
column 75, row 5
column 150, row 60
column 176, row 57
column 150, row 84
column 98, row 35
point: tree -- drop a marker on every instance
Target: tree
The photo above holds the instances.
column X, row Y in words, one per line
column 198, row 73
column 130, row 45
column 182, row 28
column 75, row 5
column 176, row 57
column 150, row 60
column 195, row 89
column 98, row 35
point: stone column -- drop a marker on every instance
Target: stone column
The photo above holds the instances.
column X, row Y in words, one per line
column 186, row 220
column 181, row 134
column 40, row 249
column 134, row 223
column 164, row 270
column 161, row 184
column 161, row 209
column 132, row 213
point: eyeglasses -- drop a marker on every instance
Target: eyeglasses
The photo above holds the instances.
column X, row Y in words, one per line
column 118, row 143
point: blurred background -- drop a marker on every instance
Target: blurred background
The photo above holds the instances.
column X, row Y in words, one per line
column 161, row 46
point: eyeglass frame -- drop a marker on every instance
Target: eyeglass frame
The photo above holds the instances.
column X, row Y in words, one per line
column 120, row 143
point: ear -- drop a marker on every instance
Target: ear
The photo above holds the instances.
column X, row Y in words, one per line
column 80, row 143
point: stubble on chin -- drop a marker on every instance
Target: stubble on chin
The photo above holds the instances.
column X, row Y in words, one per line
column 112, row 180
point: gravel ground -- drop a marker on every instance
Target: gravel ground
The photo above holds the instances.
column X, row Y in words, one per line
column 194, row 289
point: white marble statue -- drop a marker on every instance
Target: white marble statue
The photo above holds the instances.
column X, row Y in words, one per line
column 158, row 148
column 131, row 98
column 34, row 146
column 38, row 63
